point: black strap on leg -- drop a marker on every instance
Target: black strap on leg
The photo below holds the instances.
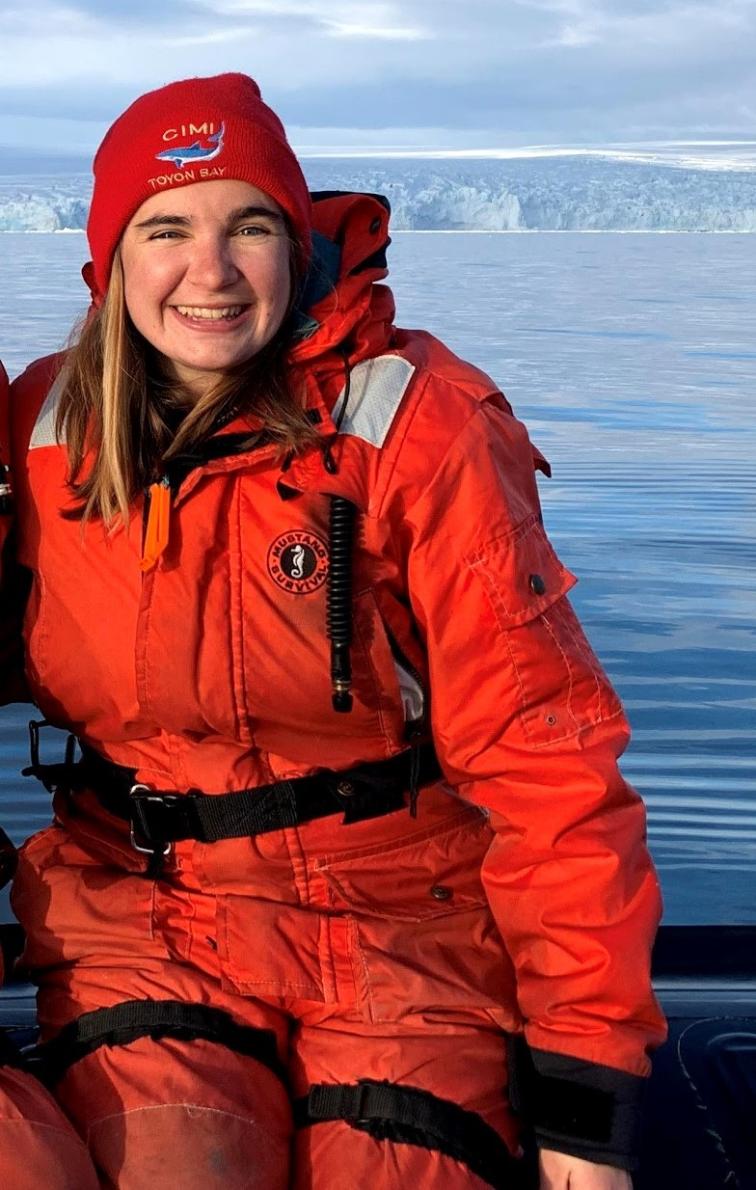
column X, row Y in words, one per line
column 408, row 1115
column 132, row 1019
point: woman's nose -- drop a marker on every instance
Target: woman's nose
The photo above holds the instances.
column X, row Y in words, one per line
column 211, row 263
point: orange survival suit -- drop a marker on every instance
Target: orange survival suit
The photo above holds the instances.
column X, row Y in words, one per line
column 386, row 957
column 38, row 1147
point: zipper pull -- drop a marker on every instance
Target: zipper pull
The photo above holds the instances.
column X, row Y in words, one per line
column 158, row 522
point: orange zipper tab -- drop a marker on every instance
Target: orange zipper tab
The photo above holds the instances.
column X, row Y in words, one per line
column 158, row 523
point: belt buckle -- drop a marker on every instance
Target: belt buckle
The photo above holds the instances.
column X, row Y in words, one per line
column 138, row 794
column 362, row 1090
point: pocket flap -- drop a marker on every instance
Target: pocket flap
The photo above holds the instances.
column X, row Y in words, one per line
column 431, row 875
column 521, row 573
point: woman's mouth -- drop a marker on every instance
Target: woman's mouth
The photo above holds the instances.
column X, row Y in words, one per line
column 210, row 313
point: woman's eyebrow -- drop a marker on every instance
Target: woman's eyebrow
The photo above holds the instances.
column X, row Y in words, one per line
column 254, row 212
column 159, row 220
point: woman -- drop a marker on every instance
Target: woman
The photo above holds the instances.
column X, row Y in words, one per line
column 279, row 551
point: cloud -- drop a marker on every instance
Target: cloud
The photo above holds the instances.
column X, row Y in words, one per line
column 375, row 33
column 54, row 18
column 371, row 21
column 208, row 37
column 576, row 36
column 643, row 22
column 505, row 69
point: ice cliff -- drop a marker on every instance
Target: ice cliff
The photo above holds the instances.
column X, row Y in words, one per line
column 520, row 194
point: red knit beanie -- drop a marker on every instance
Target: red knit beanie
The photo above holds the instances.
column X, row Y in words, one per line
column 198, row 130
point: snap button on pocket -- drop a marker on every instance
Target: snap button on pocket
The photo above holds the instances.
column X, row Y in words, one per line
column 345, row 788
column 537, row 585
column 441, row 892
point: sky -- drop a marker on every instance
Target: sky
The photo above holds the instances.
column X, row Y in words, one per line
column 420, row 74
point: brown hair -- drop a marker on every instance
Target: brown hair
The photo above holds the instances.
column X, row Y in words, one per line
column 117, row 403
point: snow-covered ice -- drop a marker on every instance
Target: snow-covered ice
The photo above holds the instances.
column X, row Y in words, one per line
column 634, row 188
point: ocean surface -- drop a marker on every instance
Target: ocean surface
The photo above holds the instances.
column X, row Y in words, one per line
column 632, row 358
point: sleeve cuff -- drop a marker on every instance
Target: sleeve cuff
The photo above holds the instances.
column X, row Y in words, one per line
column 577, row 1107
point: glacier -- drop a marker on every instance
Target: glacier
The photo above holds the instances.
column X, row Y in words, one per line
column 538, row 192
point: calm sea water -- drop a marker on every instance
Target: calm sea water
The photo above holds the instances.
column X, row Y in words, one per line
column 633, row 360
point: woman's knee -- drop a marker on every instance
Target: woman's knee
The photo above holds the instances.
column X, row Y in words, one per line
column 160, row 1113
column 194, row 1146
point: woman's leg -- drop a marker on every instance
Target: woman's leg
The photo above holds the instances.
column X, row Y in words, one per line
column 170, row 1080
column 401, row 1081
column 432, row 1110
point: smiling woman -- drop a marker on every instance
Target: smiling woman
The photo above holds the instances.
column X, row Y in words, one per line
column 347, row 837
column 198, row 301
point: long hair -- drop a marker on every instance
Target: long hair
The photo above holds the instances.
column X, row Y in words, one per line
column 117, row 404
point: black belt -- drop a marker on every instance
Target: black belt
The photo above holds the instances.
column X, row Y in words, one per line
column 160, row 818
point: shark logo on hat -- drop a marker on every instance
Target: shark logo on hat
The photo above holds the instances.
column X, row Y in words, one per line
column 181, row 155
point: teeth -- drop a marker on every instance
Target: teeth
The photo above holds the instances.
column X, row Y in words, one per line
column 214, row 314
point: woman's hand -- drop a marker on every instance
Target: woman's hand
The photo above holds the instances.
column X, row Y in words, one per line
column 560, row 1171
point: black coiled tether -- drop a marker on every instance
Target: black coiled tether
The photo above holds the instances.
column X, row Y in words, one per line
column 339, row 594
column 339, row 600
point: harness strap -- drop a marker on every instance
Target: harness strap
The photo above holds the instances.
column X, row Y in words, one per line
column 408, row 1115
column 132, row 1019
column 160, row 818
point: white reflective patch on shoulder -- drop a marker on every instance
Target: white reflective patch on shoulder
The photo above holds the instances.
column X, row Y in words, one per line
column 43, row 433
column 376, row 389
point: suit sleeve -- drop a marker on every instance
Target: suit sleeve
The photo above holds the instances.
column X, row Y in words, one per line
column 527, row 725
column 9, row 635
column 12, row 586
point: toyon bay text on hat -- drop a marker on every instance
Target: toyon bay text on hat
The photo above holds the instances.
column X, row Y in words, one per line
column 196, row 130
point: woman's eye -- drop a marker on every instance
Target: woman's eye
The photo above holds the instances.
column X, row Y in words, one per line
column 168, row 233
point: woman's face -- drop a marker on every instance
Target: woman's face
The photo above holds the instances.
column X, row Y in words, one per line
column 206, row 276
